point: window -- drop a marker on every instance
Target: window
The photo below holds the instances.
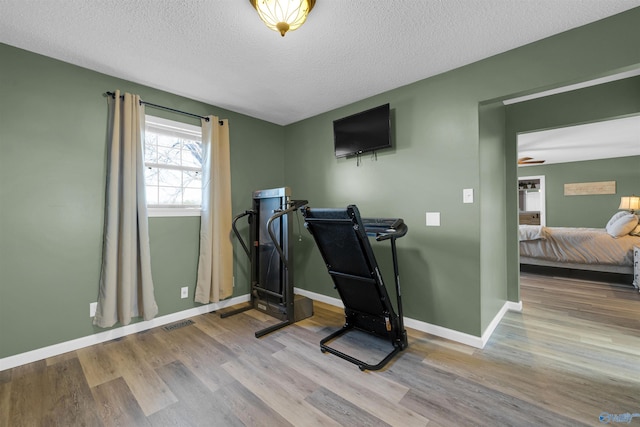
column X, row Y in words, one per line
column 173, row 161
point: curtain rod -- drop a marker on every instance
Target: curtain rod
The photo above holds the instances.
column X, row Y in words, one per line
column 162, row 107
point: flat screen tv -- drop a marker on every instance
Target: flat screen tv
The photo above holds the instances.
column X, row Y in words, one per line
column 362, row 132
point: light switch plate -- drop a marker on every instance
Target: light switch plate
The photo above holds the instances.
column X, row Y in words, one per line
column 433, row 219
column 467, row 195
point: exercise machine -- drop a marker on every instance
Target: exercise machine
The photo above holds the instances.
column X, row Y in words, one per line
column 271, row 258
column 342, row 237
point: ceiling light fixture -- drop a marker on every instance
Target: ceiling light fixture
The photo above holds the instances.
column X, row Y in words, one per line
column 283, row 15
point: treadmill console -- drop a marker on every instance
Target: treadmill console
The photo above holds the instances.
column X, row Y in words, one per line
column 384, row 228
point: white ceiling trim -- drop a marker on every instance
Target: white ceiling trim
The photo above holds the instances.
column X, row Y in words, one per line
column 569, row 88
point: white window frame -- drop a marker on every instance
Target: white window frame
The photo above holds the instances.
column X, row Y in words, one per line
column 189, row 130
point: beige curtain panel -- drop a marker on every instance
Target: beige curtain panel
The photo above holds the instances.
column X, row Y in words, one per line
column 215, row 262
column 126, row 286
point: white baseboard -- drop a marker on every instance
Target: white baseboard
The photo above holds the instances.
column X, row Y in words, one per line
column 439, row 331
column 336, row 302
column 76, row 344
column 508, row 306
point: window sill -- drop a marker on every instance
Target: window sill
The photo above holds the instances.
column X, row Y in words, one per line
column 167, row 212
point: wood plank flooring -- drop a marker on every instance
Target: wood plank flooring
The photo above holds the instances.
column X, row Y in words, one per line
column 572, row 354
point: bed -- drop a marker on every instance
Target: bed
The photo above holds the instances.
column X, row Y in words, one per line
column 577, row 248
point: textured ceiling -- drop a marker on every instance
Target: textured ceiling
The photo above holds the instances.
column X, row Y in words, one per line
column 219, row 52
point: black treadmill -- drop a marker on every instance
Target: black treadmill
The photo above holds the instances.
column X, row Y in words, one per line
column 342, row 237
column 270, row 251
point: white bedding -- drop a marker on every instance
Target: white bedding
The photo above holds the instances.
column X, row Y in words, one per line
column 532, row 232
column 592, row 246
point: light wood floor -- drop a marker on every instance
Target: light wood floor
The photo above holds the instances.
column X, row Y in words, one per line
column 572, row 354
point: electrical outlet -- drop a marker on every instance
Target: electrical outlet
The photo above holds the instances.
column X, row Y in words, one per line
column 92, row 309
column 184, row 292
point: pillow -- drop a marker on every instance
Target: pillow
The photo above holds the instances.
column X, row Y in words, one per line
column 623, row 225
column 616, row 216
column 636, row 231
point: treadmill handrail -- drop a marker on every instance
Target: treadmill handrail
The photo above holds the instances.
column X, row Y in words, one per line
column 384, row 229
column 396, row 233
column 295, row 204
column 237, row 233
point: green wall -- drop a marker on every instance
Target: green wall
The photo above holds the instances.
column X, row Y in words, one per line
column 592, row 210
column 450, row 133
column 493, row 262
column 454, row 275
column 53, row 121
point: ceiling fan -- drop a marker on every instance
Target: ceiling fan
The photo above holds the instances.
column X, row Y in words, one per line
column 529, row 161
